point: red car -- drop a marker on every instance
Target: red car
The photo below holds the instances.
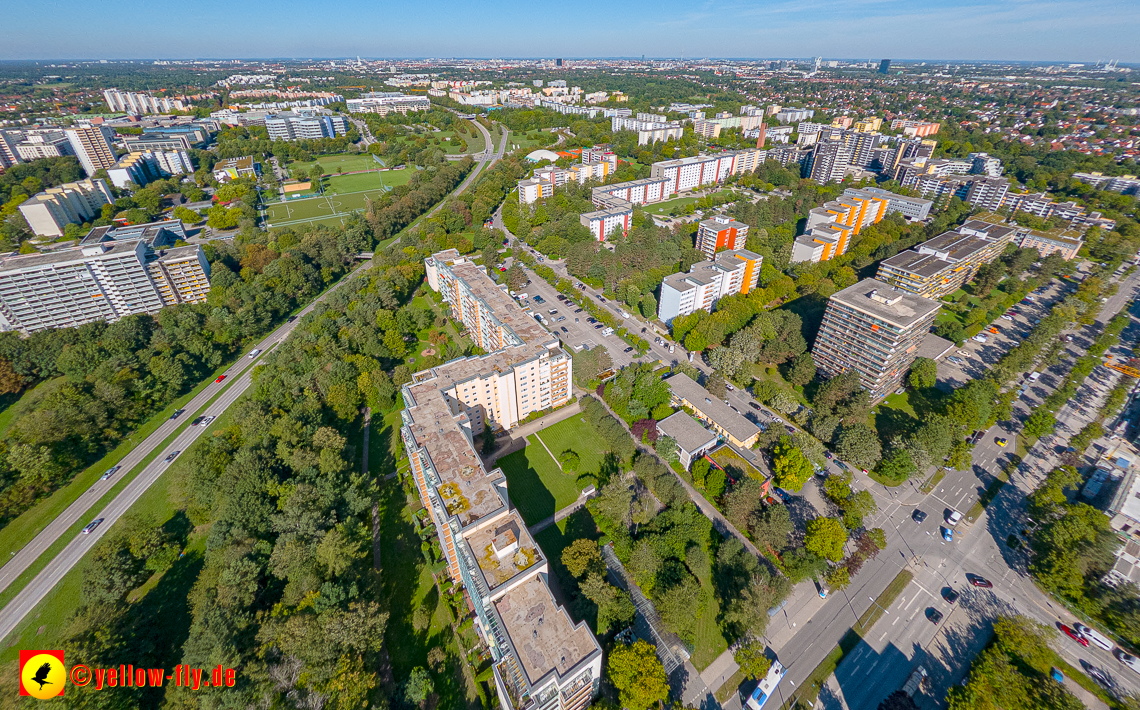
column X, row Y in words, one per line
column 981, row 582
column 1073, row 635
column 220, row 378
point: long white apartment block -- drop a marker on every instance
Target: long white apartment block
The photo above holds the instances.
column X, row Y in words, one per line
column 48, row 212
column 728, row 273
column 101, row 281
column 542, row 660
column 684, row 174
column 138, row 104
column 385, row 102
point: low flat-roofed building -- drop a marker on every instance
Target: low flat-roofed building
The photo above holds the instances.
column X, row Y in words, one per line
column 693, row 440
column 234, row 168
column 1067, row 244
column 921, row 274
column 737, row 430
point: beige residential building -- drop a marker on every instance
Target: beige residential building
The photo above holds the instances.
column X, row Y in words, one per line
column 541, row 658
column 50, row 211
column 92, row 145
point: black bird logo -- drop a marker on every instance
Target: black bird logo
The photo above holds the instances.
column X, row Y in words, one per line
column 42, row 674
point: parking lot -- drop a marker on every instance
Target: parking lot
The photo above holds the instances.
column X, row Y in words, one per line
column 974, row 359
column 575, row 329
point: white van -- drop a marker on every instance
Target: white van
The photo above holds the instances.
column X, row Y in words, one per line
column 1094, row 636
column 254, row 353
column 1034, row 376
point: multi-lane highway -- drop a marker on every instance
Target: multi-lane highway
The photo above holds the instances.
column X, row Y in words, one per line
column 238, row 378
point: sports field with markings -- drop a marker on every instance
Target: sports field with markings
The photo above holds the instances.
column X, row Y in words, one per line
column 344, row 194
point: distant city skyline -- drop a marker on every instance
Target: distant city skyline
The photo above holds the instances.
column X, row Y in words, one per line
column 962, row 30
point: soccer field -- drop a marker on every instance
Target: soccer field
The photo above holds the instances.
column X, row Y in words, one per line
column 344, row 194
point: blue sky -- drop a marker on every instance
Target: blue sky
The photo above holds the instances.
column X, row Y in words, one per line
column 1044, row 30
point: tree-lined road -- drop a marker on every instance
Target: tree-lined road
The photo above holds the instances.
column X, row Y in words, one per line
column 238, row 378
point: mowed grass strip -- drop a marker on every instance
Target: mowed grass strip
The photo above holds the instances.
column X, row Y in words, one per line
column 577, row 435
column 537, row 486
column 330, row 164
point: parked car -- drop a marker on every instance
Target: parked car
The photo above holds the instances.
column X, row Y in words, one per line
column 980, row 581
column 827, row 455
column 956, row 360
column 110, row 472
column 791, row 429
column 754, row 405
column 628, row 350
column 220, row 378
column 91, row 526
column 564, row 329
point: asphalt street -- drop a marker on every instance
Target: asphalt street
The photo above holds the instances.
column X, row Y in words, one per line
column 238, row 378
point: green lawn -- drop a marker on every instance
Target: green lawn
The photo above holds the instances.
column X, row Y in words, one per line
column 520, row 141
column 162, row 503
column 538, row 487
column 899, row 401
column 668, row 206
column 576, row 434
column 374, row 180
column 331, row 164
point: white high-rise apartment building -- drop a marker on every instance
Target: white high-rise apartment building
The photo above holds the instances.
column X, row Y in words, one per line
column 541, row 658
column 103, row 281
column 48, row 212
column 728, row 273
column 139, row 104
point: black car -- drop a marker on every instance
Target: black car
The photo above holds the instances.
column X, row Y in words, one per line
column 564, row 329
column 197, row 421
column 754, row 405
column 950, row 595
column 934, row 615
column 918, row 516
column 172, row 456
column 791, row 429
column 627, row 350
column 177, row 413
